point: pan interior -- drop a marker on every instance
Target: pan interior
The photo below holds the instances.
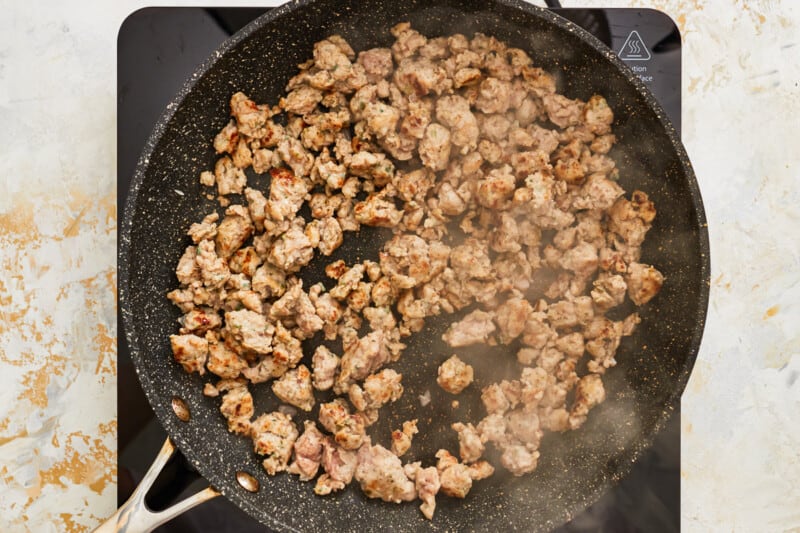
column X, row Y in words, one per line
column 576, row 467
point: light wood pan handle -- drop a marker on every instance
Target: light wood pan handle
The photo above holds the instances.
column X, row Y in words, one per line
column 135, row 517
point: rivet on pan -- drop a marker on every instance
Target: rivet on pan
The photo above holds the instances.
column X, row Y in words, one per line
column 248, row 482
column 180, row 409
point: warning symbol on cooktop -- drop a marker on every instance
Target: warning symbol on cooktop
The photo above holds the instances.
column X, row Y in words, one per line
column 634, row 48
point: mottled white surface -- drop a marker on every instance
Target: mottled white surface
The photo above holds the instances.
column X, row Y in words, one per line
column 741, row 421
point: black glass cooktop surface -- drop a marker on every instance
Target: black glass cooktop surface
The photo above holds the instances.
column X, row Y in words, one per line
column 158, row 48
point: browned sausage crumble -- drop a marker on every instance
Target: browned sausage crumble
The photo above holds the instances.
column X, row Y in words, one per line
column 486, row 145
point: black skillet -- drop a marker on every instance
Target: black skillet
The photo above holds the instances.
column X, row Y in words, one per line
column 575, row 468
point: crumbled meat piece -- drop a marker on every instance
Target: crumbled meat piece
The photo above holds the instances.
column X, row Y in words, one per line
column 523, row 424
column 373, row 166
column 603, row 143
column 330, row 235
column 491, row 152
column 200, row 320
column 407, row 41
column 233, row 231
column 207, row 229
column 244, row 261
column 644, row 282
column 401, row 439
column 274, row 435
column 494, row 399
column 339, row 465
column 227, row 138
column 325, row 364
column 416, row 120
column 496, row 189
column 471, row 260
column 409, row 260
column 229, row 178
column 562, row 314
column 598, row 192
column 427, row 484
column 629, row 324
column 571, row 344
column 493, row 96
column 597, row 115
column 378, row 389
column 252, row 120
column 323, row 205
column 223, row 361
column 519, row 460
column 286, row 193
column 454, row 113
column 297, row 305
column 493, row 428
column 295, row 155
column 506, row 237
column 263, row 160
column 377, row 211
column 603, row 338
column 242, row 156
column 347, row 428
column 589, row 392
column 236, row 406
column 257, row 205
column 469, row 441
column 582, row 259
column 631, row 219
column 190, row 351
column 302, row 100
column 210, row 390
column 420, row 77
column 293, row 249
column 329, row 173
column 348, row 280
column 249, row 331
column 307, row 452
column 362, row 358
column 381, row 475
column 294, row 388
column 381, row 119
column 511, row 318
column 456, row 478
column 466, row 76
column 214, row 270
column 454, row 375
column 269, row 281
column 495, row 128
column 475, row 328
column 450, row 202
column 328, row 309
column 207, row 178
column 414, row 185
column 377, row 63
column 434, row 148
column 609, row 291
column 562, row 111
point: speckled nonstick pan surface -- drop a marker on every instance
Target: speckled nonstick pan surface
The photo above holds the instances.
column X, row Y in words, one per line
column 575, row 468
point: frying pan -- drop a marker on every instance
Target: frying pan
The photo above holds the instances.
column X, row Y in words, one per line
column 575, row 468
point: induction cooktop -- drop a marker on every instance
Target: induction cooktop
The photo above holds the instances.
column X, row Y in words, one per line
column 158, row 49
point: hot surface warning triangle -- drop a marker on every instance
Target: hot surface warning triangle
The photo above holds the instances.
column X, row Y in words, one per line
column 634, row 48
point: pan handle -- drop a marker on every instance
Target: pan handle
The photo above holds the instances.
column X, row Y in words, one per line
column 135, row 517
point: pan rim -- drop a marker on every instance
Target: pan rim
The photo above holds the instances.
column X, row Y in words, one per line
column 124, row 239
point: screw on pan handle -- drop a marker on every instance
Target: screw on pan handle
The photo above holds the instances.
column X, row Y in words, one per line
column 135, row 517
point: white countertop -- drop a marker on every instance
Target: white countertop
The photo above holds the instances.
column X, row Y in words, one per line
column 741, row 410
